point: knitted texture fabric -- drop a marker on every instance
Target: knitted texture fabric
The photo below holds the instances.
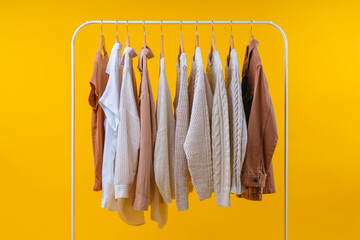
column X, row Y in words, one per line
column 126, row 160
column 165, row 139
column 159, row 208
column 198, row 143
column 219, row 131
column 181, row 108
column 237, row 120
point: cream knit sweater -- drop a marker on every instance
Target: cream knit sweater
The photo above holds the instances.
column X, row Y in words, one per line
column 219, row 131
column 165, row 139
column 181, row 107
column 198, row 143
column 238, row 129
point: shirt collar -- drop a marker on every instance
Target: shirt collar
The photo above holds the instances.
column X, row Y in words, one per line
column 130, row 51
column 144, row 54
column 253, row 44
column 114, row 55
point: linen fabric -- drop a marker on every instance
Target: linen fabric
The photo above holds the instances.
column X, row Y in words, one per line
column 126, row 160
column 164, row 164
column 98, row 83
column 110, row 104
column 145, row 172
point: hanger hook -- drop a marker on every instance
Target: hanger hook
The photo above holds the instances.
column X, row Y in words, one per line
column 144, row 27
column 116, row 27
column 196, row 27
column 251, row 28
column 101, row 27
column 127, row 27
column 181, row 27
column 231, row 27
column 212, row 27
column 161, row 28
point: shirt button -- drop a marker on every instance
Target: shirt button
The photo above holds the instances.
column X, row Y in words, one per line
column 255, row 180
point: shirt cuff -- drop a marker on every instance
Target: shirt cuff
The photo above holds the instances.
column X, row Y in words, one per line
column 222, row 199
column 253, row 194
column 253, row 180
column 122, row 191
column 204, row 194
column 182, row 205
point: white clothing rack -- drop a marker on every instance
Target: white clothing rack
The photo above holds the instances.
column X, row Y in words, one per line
column 174, row 22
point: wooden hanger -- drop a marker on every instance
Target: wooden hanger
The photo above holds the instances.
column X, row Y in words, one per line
column 197, row 36
column 181, row 40
column 231, row 42
column 102, row 41
column 251, row 35
column 117, row 35
column 231, row 38
column 127, row 35
column 162, row 43
column 213, row 43
column 144, row 38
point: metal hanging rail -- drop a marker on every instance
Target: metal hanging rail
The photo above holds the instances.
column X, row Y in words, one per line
column 175, row 22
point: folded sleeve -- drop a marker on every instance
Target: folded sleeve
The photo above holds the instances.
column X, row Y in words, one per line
column 94, row 96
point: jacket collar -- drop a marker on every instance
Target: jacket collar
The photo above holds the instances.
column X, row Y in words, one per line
column 253, row 44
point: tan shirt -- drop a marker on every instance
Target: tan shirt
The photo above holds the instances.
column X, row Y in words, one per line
column 145, row 173
column 257, row 172
column 98, row 83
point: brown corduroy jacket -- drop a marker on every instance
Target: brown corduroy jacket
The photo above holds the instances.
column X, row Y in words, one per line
column 257, row 171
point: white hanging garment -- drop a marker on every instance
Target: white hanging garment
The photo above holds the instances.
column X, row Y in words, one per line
column 109, row 102
column 128, row 143
column 237, row 121
column 198, row 142
column 220, row 132
column 181, row 109
column 165, row 139
column 128, row 130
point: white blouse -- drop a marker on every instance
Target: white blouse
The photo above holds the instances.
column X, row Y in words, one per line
column 110, row 104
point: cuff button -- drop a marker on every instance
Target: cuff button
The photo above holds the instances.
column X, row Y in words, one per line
column 255, row 180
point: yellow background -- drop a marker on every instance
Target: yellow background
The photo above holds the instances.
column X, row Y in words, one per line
column 324, row 83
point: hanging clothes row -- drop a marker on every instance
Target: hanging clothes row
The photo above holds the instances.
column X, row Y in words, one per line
column 218, row 135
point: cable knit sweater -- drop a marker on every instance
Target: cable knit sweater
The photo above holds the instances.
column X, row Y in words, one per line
column 198, row 143
column 181, row 108
column 238, row 129
column 165, row 139
column 219, row 132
